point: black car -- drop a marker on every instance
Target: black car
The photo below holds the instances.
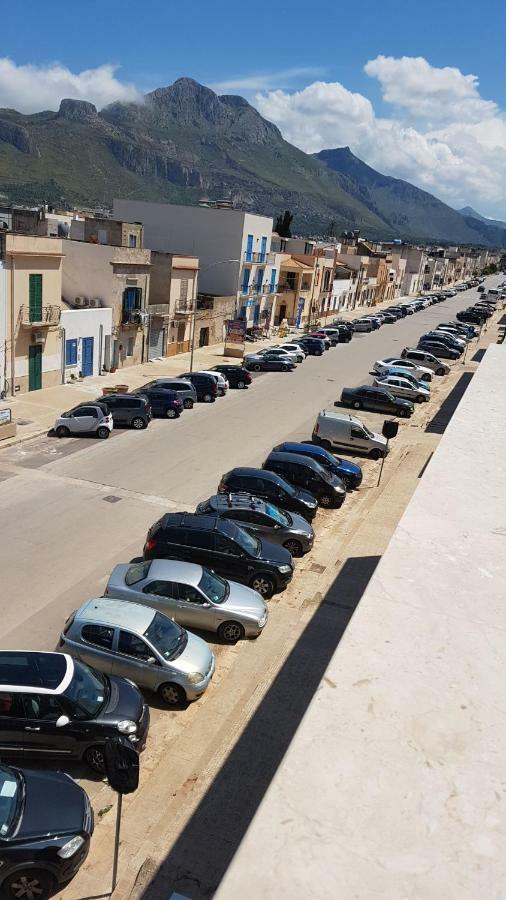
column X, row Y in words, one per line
column 205, row 385
column 46, row 823
column 349, row 473
column 442, row 351
column 305, row 473
column 377, row 400
column 270, row 487
column 400, row 311
column 163, row 402
column 53, row 706
column 389, row 318
column 471, row 316
column 127, row 409
column 313, row 346
column 269, row 362
column 447, row 339
column 237, row 376
column 223, row 546
column 342, row 323
column 345, row 333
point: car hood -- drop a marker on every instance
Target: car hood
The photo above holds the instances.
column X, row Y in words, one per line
column 306, row 498
column 243, row 601
column 300, row 525
column 352, row 468
column 196, row 656
column 124, row 702
column 41, row 815
column 274, row 553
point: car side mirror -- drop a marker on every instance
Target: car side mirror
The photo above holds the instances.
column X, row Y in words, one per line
column 152, row 661
column 206, row 604
column 62, row 721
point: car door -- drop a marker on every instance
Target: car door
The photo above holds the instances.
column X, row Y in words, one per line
column 95, row 646
column 41, row 735
column 133, row 658
column 163, row 595
column 83, row 420
column 12, row 723
column 194, row 611
column 358, row 440
column 229, row 560
column 253, row 521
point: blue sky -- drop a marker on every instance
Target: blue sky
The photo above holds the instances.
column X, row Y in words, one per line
column 270, row 52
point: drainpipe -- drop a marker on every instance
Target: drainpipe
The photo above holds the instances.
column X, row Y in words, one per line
column 100, row 347
column 63, row 344
column 13, row 354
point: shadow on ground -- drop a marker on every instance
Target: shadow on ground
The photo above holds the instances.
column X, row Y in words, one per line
column 439, row 422
column 200, row 857
column 478, row 356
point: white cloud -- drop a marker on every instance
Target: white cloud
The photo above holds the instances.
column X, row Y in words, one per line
column 442, row 135
column 33, row 88
column 264, row 81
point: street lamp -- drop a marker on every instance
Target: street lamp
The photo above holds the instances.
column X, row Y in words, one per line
column 220, row 262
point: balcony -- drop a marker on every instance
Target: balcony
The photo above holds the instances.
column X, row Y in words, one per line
column 285, row 288
column 260, row 258
column 40, row 317
column 183, row 308
column 133, row 317
column 159, row 310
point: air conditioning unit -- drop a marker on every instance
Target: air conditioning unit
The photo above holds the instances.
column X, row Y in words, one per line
column 94, row 302
column 79, row 302
column 39, row 337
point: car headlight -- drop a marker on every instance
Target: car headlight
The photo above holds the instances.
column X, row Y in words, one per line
column 284, row 569
column 126, row 726
column 195, row 677
column 262, row 620
column 71, row 847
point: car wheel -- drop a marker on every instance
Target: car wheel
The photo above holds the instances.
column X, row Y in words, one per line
column 231, row 632
column 28, row 884
column 294, row 547
column 440, row 371
column 264, row 584
column 188, row 403
column 284, row 368
column 420, row 398
column 170, row 413
column 138, row 423
column 241, row 385
column 426, row 377
column 208, row 398
column 357, row 404
column 171, row 694
column 376, row 454
column 347, row 482
column 326, row 500
column 323, row 443
column 94, row 758
column 103, row 432
column 257, row 368
column 62, row 431
column 319, row 352
column 404, row 413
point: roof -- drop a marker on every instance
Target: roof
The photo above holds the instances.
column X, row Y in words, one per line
column 116, row 613
column 171, row 569
column 46, row 673
column 295, row 264
column 281, row 456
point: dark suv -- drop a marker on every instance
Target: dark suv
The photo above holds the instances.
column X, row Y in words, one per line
column 184, row 390
column 305, row 473
column 53, row 706
column 312, row 345
column 127, row 409
column 270, row 487
column 223, row 546
column 205, row 385
column 377, row 400
column 237, row 376
column 163, row 402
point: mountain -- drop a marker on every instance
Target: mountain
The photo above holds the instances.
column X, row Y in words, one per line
column 412, row 211
column 469, row 211
column 183, row 143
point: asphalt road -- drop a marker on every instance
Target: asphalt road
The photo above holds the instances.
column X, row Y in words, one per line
column 70, row 510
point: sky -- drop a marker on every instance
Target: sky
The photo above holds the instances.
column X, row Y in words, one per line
column 416, row 90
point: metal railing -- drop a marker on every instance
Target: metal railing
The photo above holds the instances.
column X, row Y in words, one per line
column 158, row 310
column 133, row 317
column 251, row 256
column 43, row 315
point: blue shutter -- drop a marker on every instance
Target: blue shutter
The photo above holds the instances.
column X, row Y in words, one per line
column 260, row 280
column 263, row 250
column 249, row 248
column 71, row 352
column 272, row 286
column 245, row 280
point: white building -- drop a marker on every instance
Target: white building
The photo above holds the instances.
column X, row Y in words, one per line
column 234, row 248
column 86, row 336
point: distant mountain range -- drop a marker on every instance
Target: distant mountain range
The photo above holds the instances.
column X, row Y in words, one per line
column 469, row 211
column 184, row 143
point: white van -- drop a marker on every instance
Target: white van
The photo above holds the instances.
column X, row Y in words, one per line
column 335, row 430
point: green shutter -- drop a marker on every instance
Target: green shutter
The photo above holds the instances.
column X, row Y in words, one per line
column 35, row 291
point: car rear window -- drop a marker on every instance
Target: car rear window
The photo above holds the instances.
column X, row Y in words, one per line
column 137, row 572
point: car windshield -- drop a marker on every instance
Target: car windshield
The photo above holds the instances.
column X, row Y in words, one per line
column 87, row 691
column 247, row 542
column 11, row 788
column 216, row 589
column 166, row 636
column 137, row 573
column 277, row 515
column 365, row 428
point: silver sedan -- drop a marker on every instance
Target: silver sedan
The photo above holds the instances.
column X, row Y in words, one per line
column 193, row 595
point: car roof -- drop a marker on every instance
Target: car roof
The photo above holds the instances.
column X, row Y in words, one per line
column 125, row 396
column 46, row 673
column 96, row 403
column 117, row 613
column 242, row 471
column 174, row 570
column 281, row 456
column 236, row 500
column 197, row 521
column 341, row 417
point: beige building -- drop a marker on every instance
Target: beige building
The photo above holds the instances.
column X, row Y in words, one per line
column 172, row 303
column 296, row 289
column 32, row 278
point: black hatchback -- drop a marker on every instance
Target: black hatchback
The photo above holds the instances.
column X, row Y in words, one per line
column 205, row 385
column 46, row 823
column 269, row 486
column 223, row 546
column 303, row 472
column 54, row 706
column 237, row 376
column 312, row 345
column 163, row 402
column 127, row 409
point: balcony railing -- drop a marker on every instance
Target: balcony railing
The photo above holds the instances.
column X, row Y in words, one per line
column 159, row 310
column 250, row 256
column 134, row 317
column 41, row 316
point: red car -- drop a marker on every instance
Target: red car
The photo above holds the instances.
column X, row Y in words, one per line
column 323, row 337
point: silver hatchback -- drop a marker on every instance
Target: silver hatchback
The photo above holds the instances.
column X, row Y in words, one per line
column 133, row 641
column 192, row 595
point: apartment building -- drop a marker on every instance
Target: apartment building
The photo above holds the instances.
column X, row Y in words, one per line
column 296, row 288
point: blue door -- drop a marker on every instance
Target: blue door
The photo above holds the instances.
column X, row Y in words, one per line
column 256, row 314
column 260, row 280
column 272, row 285
column 245, row 281
column 87, row 356
column 249, row 248
column 263, row 250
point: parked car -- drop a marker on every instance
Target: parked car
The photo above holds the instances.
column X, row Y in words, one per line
column 423, row 359
column 438, row 349
column 91, row 418
column 237, row 376
column 221, row 380
column 162, row 402
column 305, row 473
column 389, row 318
column 481, row 289
column 268, row 362
column 401, row 386
column 192, row 595
column 183, row 389
column 262, row 519
column 43, row 843
column 338, row 334
column 321, row 336
column 398, row 309
column 346, row 432
column 330, row 338
column 313, row 346
column 343, row 323
column 349, row 473
column 269, row 487
column 472, row 318
column 300, row 353
column 461, row 328
column 205, row 385
column 392, row 362
column 54, row 706
column 455, row 332
column 376, row 399
column 363, row 325
column 375, row 321
column 126, row 409
column 139, row 643
column 280, row 353
column 222, row 546
column 447, row 339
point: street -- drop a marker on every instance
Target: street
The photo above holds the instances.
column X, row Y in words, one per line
column 69, row 512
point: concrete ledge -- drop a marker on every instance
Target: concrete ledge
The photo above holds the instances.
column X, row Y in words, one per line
column 393, row 786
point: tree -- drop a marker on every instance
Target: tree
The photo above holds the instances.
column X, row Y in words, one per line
column 332, row 230
column 283, row 224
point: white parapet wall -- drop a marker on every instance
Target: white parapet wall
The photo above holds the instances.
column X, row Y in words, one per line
column 394, row 786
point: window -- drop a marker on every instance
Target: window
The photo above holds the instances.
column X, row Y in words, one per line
column 224, row 545
column 132, row 298
column 99, row 635
column 137, row 572
column 43, row 707
column 201, row 540
column 162, row 589
column 183, row 292
column 189, row 594
column 130, row 346
column 356, row 432
column 132, row 240
column 35, row 297
column 10, row 705
column 71, row 352
column 131, row 645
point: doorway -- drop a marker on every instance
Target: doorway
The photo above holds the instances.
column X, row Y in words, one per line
column 87, row 356
column 181, row 328
column 35, row 367
column 204, row 337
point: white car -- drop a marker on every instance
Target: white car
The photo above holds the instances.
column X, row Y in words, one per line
column 403, row 386
column 381, row 366
column 294, row 348
column 453, row 332
column 291, row 355
column 221, row 381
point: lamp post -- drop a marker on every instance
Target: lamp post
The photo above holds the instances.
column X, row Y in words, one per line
column 219, row 262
